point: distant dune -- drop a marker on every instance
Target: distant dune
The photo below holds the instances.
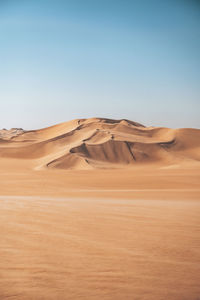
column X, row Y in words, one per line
column 100, row 143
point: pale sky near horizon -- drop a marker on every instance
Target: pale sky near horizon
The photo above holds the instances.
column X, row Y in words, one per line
column 61, row 60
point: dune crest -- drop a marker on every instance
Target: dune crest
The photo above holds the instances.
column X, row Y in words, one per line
column 100, row 143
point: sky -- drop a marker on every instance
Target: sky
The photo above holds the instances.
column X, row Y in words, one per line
column 132, row 59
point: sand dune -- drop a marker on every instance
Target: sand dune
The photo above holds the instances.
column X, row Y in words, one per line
column 100, row 143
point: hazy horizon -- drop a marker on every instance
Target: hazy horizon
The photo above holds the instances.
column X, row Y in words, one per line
column 63, row 60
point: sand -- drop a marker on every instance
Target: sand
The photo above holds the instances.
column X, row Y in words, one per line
column 99, row 249
column 89, row 144
column 100, row 209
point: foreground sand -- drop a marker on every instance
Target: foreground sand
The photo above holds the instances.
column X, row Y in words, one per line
column 99, row 249
column 100, row 234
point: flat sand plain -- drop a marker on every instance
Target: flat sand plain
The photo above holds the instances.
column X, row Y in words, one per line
column 73, row 227
column 100, row 235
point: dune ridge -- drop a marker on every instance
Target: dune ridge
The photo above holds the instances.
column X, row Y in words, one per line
column 101, row 143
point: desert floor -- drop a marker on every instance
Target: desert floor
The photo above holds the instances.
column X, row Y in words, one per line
column 113, row 234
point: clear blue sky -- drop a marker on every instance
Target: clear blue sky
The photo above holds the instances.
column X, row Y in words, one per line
column 61, row 60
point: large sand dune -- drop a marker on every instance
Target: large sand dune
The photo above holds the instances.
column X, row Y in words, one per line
column 100, row 209
column 100, row 143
